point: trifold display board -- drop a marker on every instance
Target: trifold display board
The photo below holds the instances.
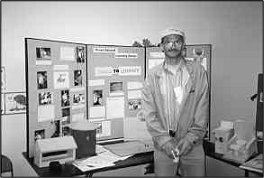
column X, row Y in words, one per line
column 115, row 80
column 199, row 52
column 68, row 82
column 56, row 88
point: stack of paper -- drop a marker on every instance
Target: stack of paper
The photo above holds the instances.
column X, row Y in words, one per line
column 255, row 164
column 104, row 158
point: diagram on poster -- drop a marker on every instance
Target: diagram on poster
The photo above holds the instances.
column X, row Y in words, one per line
column 61, row 80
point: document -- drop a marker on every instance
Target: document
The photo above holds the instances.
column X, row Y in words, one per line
column 104, row 158
column 67, row 53
column 115, row 107
column 97, row 111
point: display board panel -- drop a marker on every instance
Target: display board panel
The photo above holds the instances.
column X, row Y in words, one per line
column 115, row 77
column 55, row 87
column 199, row 52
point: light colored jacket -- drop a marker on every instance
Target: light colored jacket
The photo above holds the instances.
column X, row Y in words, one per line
column 194, row 111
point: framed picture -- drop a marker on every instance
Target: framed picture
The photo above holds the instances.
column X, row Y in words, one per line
column 15, row 102
column 2, row 103
column 3, row 79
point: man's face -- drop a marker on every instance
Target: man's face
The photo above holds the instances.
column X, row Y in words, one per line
column 173, row 46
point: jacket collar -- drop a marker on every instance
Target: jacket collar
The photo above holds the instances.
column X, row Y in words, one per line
column 187, row 64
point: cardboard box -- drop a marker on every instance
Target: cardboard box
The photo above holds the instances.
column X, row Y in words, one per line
column 222, row 135
column 243, row 144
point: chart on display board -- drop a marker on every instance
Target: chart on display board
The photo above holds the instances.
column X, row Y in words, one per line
column 115, row 79
column 56, row 88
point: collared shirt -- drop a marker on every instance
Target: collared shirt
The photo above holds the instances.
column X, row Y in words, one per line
column 175, row 79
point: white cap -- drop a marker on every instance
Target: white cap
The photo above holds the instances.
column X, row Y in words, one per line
column 170, row 31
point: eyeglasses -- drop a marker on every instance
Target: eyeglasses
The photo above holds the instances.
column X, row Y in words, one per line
column 171, row 43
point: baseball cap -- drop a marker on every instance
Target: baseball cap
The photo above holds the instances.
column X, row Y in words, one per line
column 170, row 31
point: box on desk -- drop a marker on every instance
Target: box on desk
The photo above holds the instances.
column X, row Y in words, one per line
column 243, row 144
column 222, row 135
column 60, row 149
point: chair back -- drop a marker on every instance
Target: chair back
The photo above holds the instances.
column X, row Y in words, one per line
column 6, row 166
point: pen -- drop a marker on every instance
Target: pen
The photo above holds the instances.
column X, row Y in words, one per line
column 175, row 158
column 173, row 154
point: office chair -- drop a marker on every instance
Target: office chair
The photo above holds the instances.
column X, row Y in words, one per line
column 6, row 165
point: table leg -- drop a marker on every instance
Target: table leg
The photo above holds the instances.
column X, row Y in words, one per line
column 246, row 173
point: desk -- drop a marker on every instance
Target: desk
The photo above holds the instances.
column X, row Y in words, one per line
column 209, row 151
column 69, row 170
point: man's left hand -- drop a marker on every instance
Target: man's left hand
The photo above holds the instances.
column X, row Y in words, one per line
column 184, row 146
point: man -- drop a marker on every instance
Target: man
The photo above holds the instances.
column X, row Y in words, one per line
column 176, row 108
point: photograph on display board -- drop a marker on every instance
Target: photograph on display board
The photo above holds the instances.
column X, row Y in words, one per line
column 97, row 97
column 78, row 78
column 45, row 98
column 78, row 98
column 116, row 88
column 15, row 102
column 43, row 53
column 80, row 54
column 39, row 134
column 66, row 131
column 134, row 104
column 65, row 98
column 42, row 80
column 57, row 129
column 65, row 116
column 198, row 53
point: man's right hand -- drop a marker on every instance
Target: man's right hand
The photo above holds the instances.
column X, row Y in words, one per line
column 168, row 147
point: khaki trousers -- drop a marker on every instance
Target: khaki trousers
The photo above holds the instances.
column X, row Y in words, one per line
column 192, row 164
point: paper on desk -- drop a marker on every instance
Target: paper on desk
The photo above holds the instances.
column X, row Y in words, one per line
column 105, row 158
column 227, row 124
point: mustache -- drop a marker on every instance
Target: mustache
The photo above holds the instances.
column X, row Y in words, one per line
column 174, row 50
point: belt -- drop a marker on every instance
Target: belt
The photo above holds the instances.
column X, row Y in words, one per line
column 172, row 133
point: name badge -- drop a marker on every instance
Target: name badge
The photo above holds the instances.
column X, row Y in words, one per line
column 179, row 94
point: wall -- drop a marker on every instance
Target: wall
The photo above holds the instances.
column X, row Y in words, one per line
column 233, row 28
